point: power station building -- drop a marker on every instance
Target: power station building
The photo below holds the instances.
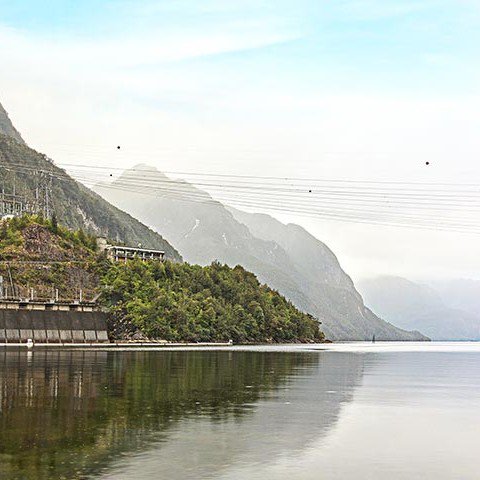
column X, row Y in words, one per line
column 120, row 253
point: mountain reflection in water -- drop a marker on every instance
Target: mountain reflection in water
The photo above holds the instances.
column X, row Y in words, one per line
column 84, row 414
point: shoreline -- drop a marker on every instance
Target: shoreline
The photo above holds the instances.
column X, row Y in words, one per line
column 115, row 345
column 358, row 347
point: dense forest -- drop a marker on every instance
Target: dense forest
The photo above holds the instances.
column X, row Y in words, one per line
column 157, row 300
column 175, row 302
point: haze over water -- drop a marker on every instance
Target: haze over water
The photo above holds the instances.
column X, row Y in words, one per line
column 397, row 411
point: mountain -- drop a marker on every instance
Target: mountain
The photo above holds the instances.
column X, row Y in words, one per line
column 40, row 182
column 341, row 306
column 6, row 126
column 285, row 257
column 411, row 305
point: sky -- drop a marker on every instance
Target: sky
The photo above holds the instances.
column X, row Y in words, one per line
column 352, row 89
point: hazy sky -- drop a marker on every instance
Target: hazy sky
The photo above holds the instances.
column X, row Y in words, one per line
column 361, row 89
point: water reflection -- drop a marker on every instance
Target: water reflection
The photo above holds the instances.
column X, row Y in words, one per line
column 414, row 416
column 145, row 414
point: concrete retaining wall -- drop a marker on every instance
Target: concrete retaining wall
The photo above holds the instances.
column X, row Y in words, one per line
column 52, row 326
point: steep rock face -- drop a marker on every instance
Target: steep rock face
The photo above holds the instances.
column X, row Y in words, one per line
column 341, row 307
column 28, row 173
column 442, row 314
column 6, row 126
column 285, row 257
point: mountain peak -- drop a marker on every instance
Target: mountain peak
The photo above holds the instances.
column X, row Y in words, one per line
column 6, row 126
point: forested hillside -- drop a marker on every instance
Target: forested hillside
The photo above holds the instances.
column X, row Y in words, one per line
column 179, row 302
column 169, row 301
column 39, row 257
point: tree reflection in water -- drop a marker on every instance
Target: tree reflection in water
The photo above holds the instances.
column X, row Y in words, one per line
column 73, row 414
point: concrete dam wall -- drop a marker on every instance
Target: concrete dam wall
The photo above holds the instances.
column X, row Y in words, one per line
column 17, row 326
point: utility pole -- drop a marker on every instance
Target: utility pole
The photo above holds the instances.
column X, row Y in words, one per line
column 48, row 194
column 3, row 198
column 36, row 207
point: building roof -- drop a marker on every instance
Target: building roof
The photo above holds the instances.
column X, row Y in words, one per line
column 135, row 249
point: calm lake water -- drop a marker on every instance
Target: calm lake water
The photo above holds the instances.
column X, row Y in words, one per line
column 397, row 411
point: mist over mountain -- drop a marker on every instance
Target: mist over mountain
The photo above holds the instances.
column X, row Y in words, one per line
column 286, row 257
column 460, row 293
column 30, row 174
column 447, row 310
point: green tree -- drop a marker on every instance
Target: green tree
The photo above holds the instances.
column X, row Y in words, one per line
column 182, row 302
column 54, row 222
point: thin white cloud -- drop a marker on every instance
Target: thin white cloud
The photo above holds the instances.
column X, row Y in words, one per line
column 150, row 89
column 367, row 10
column 143, row 48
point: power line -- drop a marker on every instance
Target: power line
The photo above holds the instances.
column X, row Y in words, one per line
column 312, row 213
column 340, row 203
column 260, row 177
column 364, row 190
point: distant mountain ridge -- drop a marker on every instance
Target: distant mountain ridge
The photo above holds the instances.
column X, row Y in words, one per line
column 440, row 312
column 461, row 293
column 285, row 257
column 75, row 205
